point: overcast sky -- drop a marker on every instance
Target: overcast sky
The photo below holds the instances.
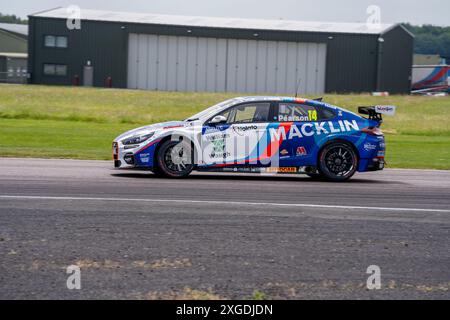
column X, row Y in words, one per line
column 413, row 11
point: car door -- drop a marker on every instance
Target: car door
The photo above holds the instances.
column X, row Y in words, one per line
column 296, row 129
column 239, row 140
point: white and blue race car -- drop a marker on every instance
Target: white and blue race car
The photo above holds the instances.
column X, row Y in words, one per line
column 260, row 134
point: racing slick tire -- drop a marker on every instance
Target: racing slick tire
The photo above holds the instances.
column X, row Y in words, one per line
column 338, row 161
column 172, row 161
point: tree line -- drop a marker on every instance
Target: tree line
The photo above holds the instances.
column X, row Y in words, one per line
column 431, row 39
column 12, row 18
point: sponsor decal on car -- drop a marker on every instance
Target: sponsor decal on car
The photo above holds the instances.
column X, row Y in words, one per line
column 284, row 152
column 281, row 170
column 218, row 145
column 312, row 116
column 218, row 136
column 241, row 169
column 286, row 118
column 145, row 157
column 305, row 169
column 209, row 130
column 218, row 150
column 369, row 146
column 240, row 130
column 219, row 155
column 311, row 129
column 388, row 110
column 301, row 151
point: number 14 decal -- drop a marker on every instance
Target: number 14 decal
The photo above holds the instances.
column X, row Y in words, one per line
column 312, row 115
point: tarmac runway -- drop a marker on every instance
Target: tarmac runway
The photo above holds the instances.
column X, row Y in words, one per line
column 136, row 236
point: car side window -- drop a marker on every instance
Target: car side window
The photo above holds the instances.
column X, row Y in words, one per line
column 227, row 114
column 248, row 113
column 328, row 114
column 288, row 112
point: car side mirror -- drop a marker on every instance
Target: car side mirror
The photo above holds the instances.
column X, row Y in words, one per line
column 217, row 120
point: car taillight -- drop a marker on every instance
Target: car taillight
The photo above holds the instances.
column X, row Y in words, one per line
column 374, row 131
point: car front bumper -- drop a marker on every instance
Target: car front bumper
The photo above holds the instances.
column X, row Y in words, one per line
column 139, row 157
column 123, row 159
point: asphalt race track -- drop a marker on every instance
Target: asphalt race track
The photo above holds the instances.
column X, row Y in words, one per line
column 136, row 236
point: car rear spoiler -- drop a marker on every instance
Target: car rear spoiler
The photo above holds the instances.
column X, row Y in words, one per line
column 376, row 112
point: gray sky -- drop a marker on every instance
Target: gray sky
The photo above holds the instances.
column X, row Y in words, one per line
column 413, row 11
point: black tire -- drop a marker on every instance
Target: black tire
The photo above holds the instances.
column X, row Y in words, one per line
column 338, row 161
column 157, row 171
column 315, row 176
column 173, row 168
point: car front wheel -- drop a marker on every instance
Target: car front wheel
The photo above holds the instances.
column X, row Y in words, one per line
column 174, row 159
column 338, row 161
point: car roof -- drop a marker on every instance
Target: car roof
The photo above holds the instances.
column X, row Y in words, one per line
column 310, row 102
column 281, row 99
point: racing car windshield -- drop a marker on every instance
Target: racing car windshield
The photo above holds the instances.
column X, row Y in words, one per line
column 214, row 108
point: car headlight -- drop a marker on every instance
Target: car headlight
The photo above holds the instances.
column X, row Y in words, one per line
column 137, row 139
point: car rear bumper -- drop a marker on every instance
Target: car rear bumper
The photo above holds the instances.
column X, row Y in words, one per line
column 372, row 154
column 375, row 165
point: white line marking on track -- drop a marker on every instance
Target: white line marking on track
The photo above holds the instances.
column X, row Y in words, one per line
column 300, row 205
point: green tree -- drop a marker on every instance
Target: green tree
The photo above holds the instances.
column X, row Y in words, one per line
column 431, row 39
column 7, row 18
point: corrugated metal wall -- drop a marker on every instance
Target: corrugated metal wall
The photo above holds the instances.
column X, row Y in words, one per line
column 211, row 64
column 276, row 66
column 103, row 44
column 352, row 66
column 176, row 63
column 395, row 63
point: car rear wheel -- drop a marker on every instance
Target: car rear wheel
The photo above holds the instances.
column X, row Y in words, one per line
column 174, row 159
column 338, row 161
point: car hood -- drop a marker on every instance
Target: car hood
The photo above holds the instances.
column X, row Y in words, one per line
column 151, row 128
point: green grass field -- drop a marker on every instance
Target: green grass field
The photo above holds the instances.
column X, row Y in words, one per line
column 80, row 123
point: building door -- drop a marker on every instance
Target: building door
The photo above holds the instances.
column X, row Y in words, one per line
column 276, row 67
column 88, row 76
column 172, row 63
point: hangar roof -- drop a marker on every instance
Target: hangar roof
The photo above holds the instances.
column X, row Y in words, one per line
column 21, row 29
column 233, row 23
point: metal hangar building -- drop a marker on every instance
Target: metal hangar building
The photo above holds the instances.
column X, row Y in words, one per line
column 180, row 53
